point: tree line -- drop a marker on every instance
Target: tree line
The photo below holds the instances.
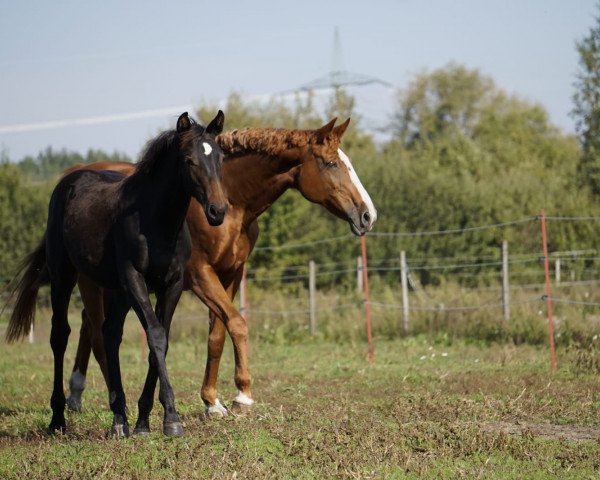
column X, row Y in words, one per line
column 460, row 152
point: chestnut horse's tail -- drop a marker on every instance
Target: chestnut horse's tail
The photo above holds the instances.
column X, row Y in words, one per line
column 33, row 273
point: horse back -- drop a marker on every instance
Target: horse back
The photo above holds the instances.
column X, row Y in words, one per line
column 124, row 168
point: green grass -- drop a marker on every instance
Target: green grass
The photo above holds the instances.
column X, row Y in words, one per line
column 422, row 410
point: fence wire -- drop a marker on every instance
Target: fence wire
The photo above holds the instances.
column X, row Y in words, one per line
column 490, row 267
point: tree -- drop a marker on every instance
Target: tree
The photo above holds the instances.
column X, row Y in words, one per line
column 587, row 107
column 445, row 100
column 23, row 212
column 240, row 113
column 465, row 153
column 51, row 163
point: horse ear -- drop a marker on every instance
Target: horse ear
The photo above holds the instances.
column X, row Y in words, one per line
column 215, row 127
column 340, row 129
column 322, row 133
column 183, row 123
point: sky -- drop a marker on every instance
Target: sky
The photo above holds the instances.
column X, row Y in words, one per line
column 109, row 75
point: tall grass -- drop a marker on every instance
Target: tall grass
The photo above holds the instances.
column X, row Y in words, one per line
column 442, row 313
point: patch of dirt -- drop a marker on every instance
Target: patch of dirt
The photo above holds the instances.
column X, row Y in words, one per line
column 545, row 430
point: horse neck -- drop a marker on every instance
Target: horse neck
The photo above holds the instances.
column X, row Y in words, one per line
column 254, row 181
column 162, row 192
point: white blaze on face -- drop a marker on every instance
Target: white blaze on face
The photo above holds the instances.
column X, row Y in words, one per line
column 361, row 190
column 207, row 148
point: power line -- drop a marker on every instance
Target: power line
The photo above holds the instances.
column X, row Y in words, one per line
column 94, row 120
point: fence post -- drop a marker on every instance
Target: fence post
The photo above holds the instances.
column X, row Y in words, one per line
column 363, row 250
column 359, row 275
column 404, row 283
column 548, row 295
column 557, row 271
column 505, row 289
column 30, row 334
column 312, row 326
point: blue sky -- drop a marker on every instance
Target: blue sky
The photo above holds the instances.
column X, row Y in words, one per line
column 66, row 60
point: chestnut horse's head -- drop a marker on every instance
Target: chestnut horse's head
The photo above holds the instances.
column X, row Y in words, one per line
column 327, row 177
column 203, row 158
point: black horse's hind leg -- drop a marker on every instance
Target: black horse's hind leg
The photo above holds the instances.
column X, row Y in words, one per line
column 62, row 285
column 112, row 329
column 165, row 307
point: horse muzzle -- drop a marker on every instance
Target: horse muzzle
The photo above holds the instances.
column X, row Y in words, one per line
column 362, row 220
column 215, row 214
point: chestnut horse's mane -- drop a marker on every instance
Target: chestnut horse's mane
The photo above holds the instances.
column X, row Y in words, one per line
column 271, row 141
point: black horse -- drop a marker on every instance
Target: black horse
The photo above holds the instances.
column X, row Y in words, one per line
column 127, row 234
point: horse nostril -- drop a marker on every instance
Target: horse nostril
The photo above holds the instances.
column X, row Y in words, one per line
column 366, row 217
column 212, row 211
column 215, row 214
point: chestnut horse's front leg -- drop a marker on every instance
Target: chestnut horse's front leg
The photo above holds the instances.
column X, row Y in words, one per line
column 224, row 317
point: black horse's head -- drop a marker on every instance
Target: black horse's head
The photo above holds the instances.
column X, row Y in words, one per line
column 203, row 158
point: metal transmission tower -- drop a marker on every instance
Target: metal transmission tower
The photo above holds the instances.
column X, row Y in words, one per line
column 338, row 77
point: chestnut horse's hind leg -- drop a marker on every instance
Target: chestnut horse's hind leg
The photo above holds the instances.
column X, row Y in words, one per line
column 90, row 338
column 82, row 357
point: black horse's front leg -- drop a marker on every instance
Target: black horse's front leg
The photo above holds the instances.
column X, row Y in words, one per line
column 112, row 330
column 156, row 332
column 166, row 301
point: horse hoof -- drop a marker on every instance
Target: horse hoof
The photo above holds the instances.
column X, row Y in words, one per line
column 119, row 430
column 240, row 408
column 142, row 428
column 74, row 403
column 173, row 429
column 216, row 411
column 59, row 428
column 141, row 431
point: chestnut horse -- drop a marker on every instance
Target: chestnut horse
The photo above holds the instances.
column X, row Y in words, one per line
column 128, row 234
column 259, row 166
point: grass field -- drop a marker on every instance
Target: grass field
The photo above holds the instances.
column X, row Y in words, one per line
column 423, row 410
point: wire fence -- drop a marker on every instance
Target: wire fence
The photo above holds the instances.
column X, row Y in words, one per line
column 571, row 270
column 508, row 283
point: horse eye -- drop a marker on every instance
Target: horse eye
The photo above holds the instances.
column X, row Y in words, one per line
column 330, row 164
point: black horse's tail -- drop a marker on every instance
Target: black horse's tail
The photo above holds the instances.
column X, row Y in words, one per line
column 32, row 274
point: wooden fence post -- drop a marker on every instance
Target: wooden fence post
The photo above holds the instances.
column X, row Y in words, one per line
column 505, row 286
column 548, row 295
column 312, row 326
column 359, row 275
column 404, row 284
column 363, row 249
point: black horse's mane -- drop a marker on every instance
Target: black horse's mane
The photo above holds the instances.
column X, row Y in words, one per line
column 158, row 148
